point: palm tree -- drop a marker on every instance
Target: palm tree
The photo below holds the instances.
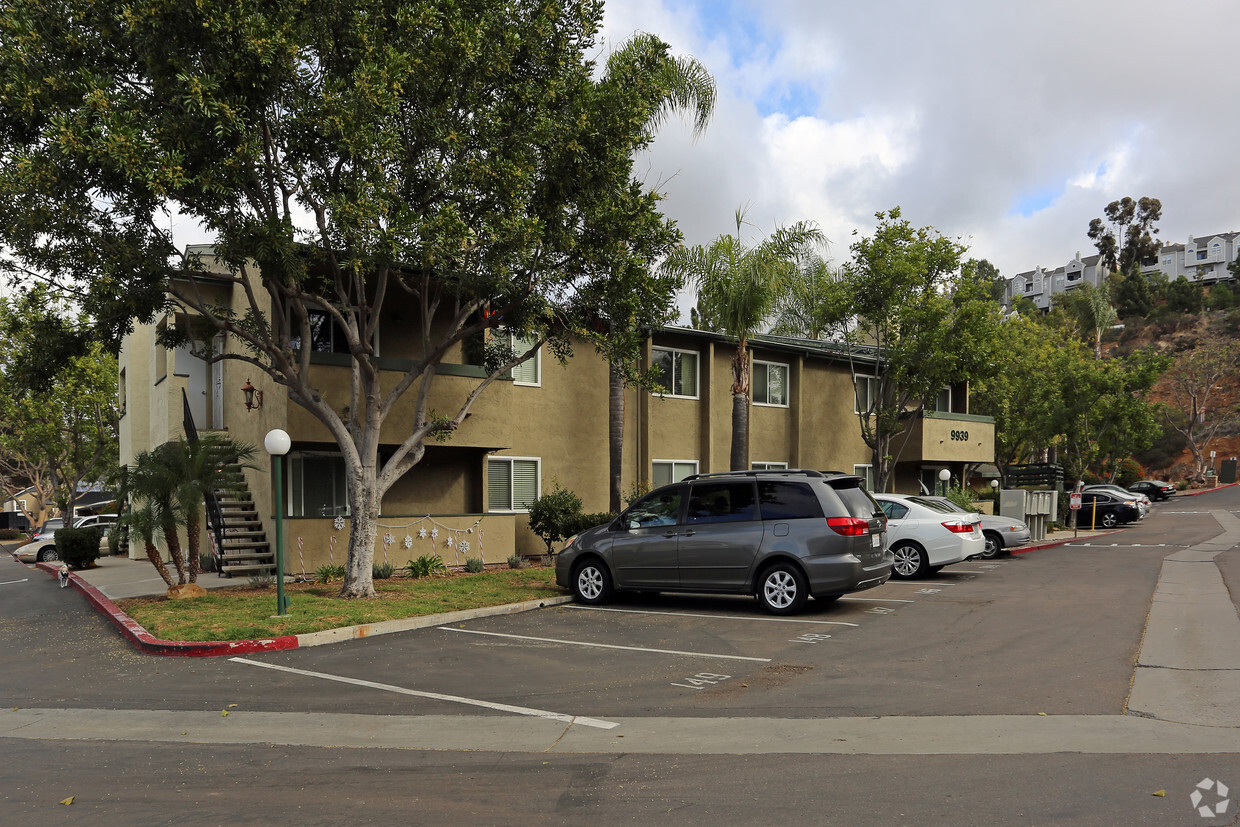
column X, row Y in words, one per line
column 169, row 485
column 811, row 306
column 1096, row 313
column 739, row 287
column 670, row 84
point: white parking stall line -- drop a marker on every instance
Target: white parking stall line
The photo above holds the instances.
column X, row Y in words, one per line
column 11, row 582
column 605, row 645
column 878, row 599
column 714, row 617
column 918, row 583
column 519, row 710
column 962, row 571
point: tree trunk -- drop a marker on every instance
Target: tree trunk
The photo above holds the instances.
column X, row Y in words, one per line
column 364, row 529
column 615, row 435
column 157, row 560
column 174, row 551
column 740, row 432
column 192, row 528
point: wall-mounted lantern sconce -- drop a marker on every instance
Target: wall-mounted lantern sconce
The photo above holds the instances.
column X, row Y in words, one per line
column 253, row 396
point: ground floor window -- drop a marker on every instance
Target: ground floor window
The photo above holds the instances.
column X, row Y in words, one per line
column 866, row 472
column 665, row 471
column 770, row 466
column 512, row 483
column 317, row 486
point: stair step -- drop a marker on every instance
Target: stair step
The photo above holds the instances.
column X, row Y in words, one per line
column 258, row 567
column 239, row 555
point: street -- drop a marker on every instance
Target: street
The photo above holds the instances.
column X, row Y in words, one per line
column 1025, row 689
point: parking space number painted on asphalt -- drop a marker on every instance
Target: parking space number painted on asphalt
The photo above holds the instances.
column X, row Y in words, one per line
column 702, row 680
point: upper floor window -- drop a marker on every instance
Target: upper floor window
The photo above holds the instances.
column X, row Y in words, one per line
column 943, row 401
column 317, row 486
column 326, row 336
column 678, row 371
column 1028, row 287
column 867, row 393
column 528, row 372
column 512, row 483
column 1201, row 255
column 770, row 384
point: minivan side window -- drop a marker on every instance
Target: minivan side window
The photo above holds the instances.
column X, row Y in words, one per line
column 659, row 508
column 788, row 501
column 722, row 502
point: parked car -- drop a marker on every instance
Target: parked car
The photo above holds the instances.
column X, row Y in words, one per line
column 780, row 535
column 42, row 547
column 924, row 535
column 1154, row 489
column 1106, row 510
column 1142, row 501
column 998, row 532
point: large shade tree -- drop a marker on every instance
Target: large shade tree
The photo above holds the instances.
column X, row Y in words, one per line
column 739, row 285
column 460, row 160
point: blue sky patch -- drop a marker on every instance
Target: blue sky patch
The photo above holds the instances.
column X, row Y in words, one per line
column 1033, row 202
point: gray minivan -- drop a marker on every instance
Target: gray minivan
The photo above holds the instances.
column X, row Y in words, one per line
column 781, row 535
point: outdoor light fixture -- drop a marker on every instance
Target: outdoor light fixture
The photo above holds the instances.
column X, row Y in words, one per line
column 253, row 396
column 277, row 443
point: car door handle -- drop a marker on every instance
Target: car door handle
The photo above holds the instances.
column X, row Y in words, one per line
column 688, row 533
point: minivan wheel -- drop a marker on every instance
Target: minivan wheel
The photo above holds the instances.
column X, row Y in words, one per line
column 993, row 545
column 782, row 590
column 591, row 583
column 47, row 555
column 910, row 561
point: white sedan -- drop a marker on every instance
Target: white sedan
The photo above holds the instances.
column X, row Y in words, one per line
column 924, row 536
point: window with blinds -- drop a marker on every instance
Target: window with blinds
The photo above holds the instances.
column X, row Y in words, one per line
column 512, row 483
column 528, row 372
column 665, row 471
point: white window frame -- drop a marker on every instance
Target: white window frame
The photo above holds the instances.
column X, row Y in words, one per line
column 866, row 472
column 768, row 466
column 673, row 463
column 787, row 376
column 948, row 409
column 697, row 372
column 521, row 345
column 871, row 382
column 512, row 509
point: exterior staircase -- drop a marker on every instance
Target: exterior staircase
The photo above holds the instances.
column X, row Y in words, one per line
column 245, row 549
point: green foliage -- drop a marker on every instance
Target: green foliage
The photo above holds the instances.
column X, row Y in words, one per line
column 1128, row 472
column 264, row 581
column 1129, row 239
column 428, row 565
column 580, row 522
column 79, row 547
column 11, row 534
column 550, row 513
column 635, row 491
column 516, row 561
column 392, row 126
column 1133, row 296
column 383, row 571
column 1185, row 296
column 328, row 572
column 474, row 565
column 963, row 497
column 1222, row 296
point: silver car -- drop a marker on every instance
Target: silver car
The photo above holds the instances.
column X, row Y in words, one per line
column 1000, row 533
column 780, row 535
column 925, row 536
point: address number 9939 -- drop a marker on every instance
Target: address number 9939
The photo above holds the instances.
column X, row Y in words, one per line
column 960, row 436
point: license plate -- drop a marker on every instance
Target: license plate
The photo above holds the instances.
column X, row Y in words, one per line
column 876, row 540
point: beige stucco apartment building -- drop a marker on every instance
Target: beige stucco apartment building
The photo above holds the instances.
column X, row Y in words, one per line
column 545, row 426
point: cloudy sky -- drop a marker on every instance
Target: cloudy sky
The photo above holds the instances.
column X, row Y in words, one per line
column 1007, row 124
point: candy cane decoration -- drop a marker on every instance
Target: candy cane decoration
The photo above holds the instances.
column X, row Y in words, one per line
column 331, row 550
column 302, row 558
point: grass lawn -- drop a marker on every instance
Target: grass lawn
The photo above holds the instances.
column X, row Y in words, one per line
column 245, row 613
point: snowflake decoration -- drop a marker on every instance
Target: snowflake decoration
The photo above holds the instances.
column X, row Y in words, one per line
column 408, row 543
column 421, row 533
column 434, row 534
column 338, row 523
column 388, row 539
column 447, row 543
column 463, row 547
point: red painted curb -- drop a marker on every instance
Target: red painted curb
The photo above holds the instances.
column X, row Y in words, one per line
column 151, row 645
column 1197, row 492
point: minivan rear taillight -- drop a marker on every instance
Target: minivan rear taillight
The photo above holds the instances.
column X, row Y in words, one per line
column 958, row 527
column 849, row 526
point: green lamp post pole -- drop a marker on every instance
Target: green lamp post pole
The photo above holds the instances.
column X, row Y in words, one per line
column 277, row 444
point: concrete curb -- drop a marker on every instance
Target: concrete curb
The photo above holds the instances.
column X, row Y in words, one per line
column 1056, row 543
column 144, row 641
column 1197, row 492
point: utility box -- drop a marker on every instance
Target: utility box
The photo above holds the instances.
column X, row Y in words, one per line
column 1036, row 508
column 1227, row 471
column 1012, row 503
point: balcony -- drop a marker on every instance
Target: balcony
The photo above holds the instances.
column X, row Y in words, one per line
column 938, row 436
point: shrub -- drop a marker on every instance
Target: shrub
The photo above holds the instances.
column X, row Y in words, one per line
column 382, row 571
column 962, row 497
column 79, row 547
column 550, row 513
column 11, row 534
column 329, row 572
column 473, row 565
column 263, row 581
column 636, row 491
column 427, row 565
column 516, row 561
column 581, row 522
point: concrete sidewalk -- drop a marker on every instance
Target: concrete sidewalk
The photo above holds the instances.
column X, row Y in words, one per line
column 119, row 578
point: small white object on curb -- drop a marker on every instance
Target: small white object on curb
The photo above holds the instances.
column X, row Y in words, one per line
column 406, row 624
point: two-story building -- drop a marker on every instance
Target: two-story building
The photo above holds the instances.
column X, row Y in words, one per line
column 547, row 425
